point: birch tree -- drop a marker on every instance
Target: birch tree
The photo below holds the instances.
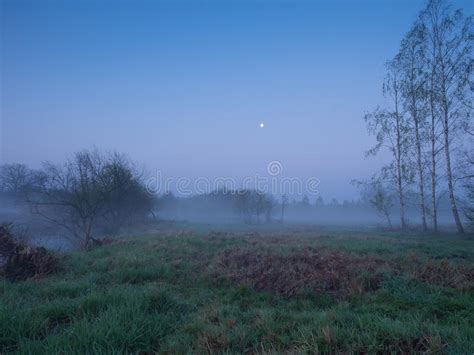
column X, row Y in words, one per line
column 450, row 35
column 435, row 133
column 377, row 196
column 412, row 61
column 390, row 128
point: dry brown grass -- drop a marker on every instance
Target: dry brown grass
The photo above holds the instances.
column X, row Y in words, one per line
column 335, row 272
column 440, row 272
column 20, row 261
column 339, row 273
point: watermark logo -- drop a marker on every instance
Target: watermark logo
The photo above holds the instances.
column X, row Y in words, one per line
column 272, row 183
column 274, row 168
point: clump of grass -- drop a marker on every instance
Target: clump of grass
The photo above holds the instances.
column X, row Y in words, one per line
column 338, row 273
column 19, row 261
column 441, row 272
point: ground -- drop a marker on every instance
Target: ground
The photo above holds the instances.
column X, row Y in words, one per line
column 179, row 288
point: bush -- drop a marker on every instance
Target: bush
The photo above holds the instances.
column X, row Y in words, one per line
column 19, row 261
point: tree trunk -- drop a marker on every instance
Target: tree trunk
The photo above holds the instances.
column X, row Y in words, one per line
column 434, row 204
column 444, row 75
column 452, row 199
column 433, row 191
column 433, row 167
column 401, row 200
column 88, row 239
column 399, row 166
column 445, row 107
column 389, row 221
column 420, row 174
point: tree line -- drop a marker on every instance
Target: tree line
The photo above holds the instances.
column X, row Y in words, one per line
column 94, row 194
column 89, row 195
column 426, row 123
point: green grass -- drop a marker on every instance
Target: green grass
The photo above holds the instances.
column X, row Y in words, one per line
column 161, row 290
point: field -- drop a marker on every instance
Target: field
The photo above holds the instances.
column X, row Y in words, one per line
column 180, row 288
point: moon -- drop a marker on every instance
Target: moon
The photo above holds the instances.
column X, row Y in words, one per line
column 262, row 125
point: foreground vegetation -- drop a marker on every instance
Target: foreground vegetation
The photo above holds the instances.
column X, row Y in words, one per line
column 185, row 288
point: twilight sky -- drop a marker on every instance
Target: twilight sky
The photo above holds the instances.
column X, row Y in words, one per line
column 182, row 86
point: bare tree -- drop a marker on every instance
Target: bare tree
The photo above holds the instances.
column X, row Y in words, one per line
column 436, row 147
column 251, row 204
column 78, row 195
column 412, row 60
column 378, row 196
column 449, row 35
column 390, row 128
column 382, row 202
column 435, row 131
column 15, row 178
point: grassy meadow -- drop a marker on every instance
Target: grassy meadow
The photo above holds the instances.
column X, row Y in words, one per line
column 182, row 288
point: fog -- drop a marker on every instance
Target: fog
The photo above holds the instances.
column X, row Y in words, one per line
column 221, row 209
column 255, row 113
column 356, row 213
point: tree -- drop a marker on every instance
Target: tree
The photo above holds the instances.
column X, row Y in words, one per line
column 305, row 202
column 251, row 204
column 449, row 36
column 128, row 200
column 284, row 204
column 412, row 60
column 319, row 201
column 83, row 194
column 382, row 202
column 245, row 205
column 390, row 128
column 15, row 179
column 434, row 130
column 268, row 207
column 377, row 196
